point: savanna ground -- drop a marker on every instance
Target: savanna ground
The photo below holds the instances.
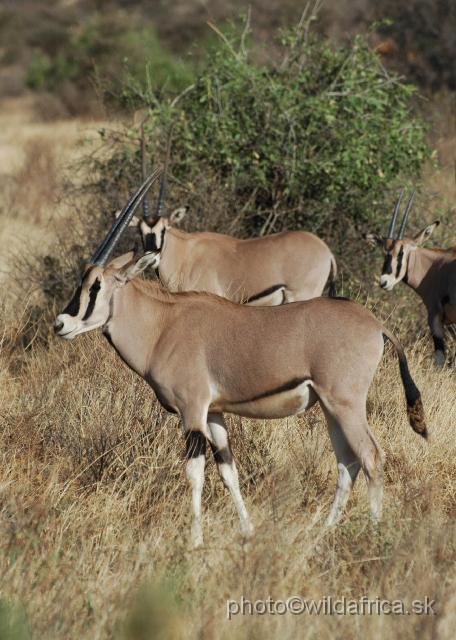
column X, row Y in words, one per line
column 95, row 507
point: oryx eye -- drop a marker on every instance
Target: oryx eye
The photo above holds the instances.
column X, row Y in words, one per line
column 401, row 252
column 96, row 286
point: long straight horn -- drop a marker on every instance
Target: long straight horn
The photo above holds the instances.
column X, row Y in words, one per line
column 145, row 202
column 394, row 218
column 161, row 197
column 404, row 219
column 113, row 236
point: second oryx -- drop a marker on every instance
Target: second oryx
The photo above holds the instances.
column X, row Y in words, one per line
column 270, row 270
column 204, row 355
column 430, row 272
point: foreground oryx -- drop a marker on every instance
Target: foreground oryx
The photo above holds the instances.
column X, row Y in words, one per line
column 204, row 355
column 429, row 272
column 281, row 267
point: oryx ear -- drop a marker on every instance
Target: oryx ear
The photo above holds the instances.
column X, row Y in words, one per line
column 119, row 262
column 177, row 215
column 374, row 239
column 135, row 267
column 425, row 234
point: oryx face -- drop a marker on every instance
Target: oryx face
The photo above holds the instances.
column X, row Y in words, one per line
column 397, row 253
column 153, row 230
column 89, row 307
column 153, row 233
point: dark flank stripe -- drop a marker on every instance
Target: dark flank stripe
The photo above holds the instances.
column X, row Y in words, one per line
column 266, row 292
column 387, row 265
column 72, row 309
column 288, row 386
column 195, row 444
column 93, row 292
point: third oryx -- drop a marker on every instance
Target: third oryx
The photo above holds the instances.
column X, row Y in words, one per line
column 431, row 272
column 270, row 270
column 203, row 356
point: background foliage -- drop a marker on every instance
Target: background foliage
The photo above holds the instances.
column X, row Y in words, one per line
column 314, row 141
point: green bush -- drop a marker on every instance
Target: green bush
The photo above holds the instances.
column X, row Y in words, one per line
column 314, row 141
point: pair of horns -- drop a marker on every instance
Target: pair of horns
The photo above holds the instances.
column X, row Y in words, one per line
column 113, row 236
column 161, row 197
column 404, row 219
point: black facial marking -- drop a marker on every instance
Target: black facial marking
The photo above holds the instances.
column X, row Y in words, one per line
column 195, row 444
column 387, row 265
column 439, row 344
column 93, row 292
column 150, row 241
column 266, row 292
column 222, row 456
column 288, row 386
column 400, row 255
column 72, row 308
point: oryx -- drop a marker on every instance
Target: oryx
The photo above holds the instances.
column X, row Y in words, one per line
column 265, row 271
column 428, row 271
column 204, row 355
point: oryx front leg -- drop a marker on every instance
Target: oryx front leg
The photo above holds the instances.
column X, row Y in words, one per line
column 227, row 468
column 196, row 459
column 436, row 325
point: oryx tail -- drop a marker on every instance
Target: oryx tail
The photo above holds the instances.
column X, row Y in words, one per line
column 415, row 409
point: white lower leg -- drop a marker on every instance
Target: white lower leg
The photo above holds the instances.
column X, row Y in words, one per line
column 343, row 489
column 375, row 498
column 195, row 474
column 229, row 475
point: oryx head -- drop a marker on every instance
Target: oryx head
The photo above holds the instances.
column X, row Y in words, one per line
column 397, row 251
column 90, row 306
column 153, row 227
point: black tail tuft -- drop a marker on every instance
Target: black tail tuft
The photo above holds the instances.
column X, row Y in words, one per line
column 415, row 409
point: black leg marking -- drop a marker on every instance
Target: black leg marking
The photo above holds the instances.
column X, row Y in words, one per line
column 222, row 456
column 439, row 344
column 195, row 443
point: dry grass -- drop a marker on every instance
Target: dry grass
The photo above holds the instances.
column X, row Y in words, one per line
column 34, row 160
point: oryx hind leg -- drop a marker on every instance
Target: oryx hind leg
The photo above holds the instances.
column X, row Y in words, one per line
column 219, row 441
column 355, row 447
column 196, row 461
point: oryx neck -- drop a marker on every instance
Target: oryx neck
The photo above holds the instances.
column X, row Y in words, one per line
column 136, row 321
column 419, row 264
